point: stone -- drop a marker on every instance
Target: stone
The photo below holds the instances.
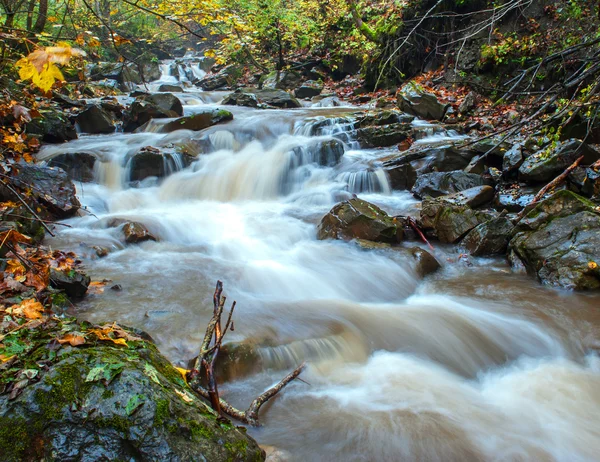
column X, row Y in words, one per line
column 148, row 107
column 103, row 401
column 473, row 197
column 468, row 103
column 52, row 127
column 591, row 183
column 152, row 162
column 198, row 121
column 95, row 120
column 383, row 135
column 446, row 159
column 426, row 263
column 167, row 88
column 513, row 159
column 252, row 97
column 443, row 183
column 558, row 241
column 287, row 81
column 448, row 221
column 358, row 219
column 385, row 117
column 401, row 177
column 221, row 80
column 136, row 232
column 514, row 199
column 51, row 187
column 326, row 153
column 72, row 282
column 415, row 100
column 78, row 166
column 309, row 89
column 544, row 165
column 329, row 101
column 489, row 238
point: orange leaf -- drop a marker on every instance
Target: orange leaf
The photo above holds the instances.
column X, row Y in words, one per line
column 31, row 309
column 72, row 339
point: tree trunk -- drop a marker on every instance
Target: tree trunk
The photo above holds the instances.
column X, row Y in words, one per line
column 40, row 22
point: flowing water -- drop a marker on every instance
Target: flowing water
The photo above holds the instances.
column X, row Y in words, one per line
column 474, row 363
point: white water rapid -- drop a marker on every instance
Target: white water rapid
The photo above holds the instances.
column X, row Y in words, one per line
column 472, row 364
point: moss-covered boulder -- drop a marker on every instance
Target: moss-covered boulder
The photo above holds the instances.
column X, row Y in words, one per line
column 559, row 241
column 111, row 399
column 358, row 219
column 52, row 127
column 415, row 100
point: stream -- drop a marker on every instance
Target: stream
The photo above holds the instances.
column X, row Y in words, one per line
column 472, row 363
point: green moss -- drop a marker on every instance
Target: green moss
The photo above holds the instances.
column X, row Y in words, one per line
column 60, row 299
column 198, row 431
column 162, row 412
column 237, row 450
column 117, row 422
column 14, row 438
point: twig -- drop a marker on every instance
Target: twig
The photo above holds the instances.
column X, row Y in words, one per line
column 412, row 222
column 16, row 193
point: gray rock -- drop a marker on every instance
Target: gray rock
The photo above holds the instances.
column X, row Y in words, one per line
column 309, row 89
column 514, row 199
column 287, row 80
column 94, row 119
column 52, row 127
column 166, row 88
column 72, row 282
column 401, row 177
column 443, row 183
column 559, row 241
column 383, row 135
column 253, row 97
column 148, row 107
column 450, row 222
column 416, row 101
column 513, row 159
column 468, row 103
column 473, row 197
column 358, row 219
column 544, row 165
column 326, row 153
column 489, row 238
column 446, row 159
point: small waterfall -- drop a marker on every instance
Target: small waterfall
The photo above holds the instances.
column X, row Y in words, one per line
column 366, row 181
column 167, row 73
column 337, row 127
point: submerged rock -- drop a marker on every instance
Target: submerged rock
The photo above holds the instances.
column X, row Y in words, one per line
column 358, row 219
column 443, row 183
column 425, row 262
column 105, row 400
column 448, row 221
column 253, row 97
column 489, row 238
column 136, row 232
column 559, row 241
column 152, row 162
column 415, row 100
column 326, row 153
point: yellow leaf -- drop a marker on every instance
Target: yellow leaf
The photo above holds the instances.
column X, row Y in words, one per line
column 183, row 372
column 187, row 398
column 17, row 270
column 4, row 359
column 592, row 265
column 26, row 69
column 31, row 309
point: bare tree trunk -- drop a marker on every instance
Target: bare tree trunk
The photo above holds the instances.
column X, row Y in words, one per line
column 40, row 22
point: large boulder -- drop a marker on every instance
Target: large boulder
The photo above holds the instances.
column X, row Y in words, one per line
column 442, row 183
column 309, row 89
column 135, row 233
column 152, row 162
column 253, row 97
column 78, row 166
column 112, row 397
column 148, row 107
column 400, row 176
column 326, row 153
column 94, row 119
column 287, row 80
column 415, row 100
column 449, row 222
column 73, row 283
column 168, row 88
column 50, row 186
column 489, row 238
column 219, row 81
column 473, row 197
column 544, row 165
column 358, row 219
column 559, row 241
column 446, row 159
column 52, row 127
column 198, row 121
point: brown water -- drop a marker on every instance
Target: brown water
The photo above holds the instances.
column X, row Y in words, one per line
column 474, row 363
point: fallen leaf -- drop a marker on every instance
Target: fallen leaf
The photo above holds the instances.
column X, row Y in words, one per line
column 187, row 398
column 72, row 339
column 31, row 309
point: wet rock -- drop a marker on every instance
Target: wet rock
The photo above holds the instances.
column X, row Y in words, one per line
column 156, row 106
column 166, row 88
column 136, row 232
column 52, row 127
column 152, row 162
column 559, row 241
column 219, row 81
column 489, row 238
column 383, row 136
column 237, row 360
column 514, row 199
column 415, row 100
column 468, row 103
column 253, row 97
column 443, row 183
column 450, row 222
column 94, row 119
column 473, row 197
column 446, row 159
column 358, row 219
column 78, row 166
column 73, row 283
column 326, row 153
column 329, row 101
column 513, row 159
column 51, row 187
column 288, row 80
column 19, row 218
column 385, row 117
column 591, row 183
column 544, row 165
column 491, row 147
column 198, row 121
column 425, row 262
column 401, row 177
column 309, row 89
column 101, row 401
column 477, row 165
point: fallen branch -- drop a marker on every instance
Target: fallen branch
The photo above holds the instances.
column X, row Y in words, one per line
column 205, row 365
column 16, row 193
column 413, row 223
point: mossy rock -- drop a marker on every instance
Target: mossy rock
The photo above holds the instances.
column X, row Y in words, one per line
column 105, row 401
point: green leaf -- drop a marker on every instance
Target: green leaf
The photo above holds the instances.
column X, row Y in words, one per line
column 134, row 403
column 151, row 372
column 105, row 373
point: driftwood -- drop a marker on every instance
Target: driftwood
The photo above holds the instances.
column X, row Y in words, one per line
column 204, row 367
